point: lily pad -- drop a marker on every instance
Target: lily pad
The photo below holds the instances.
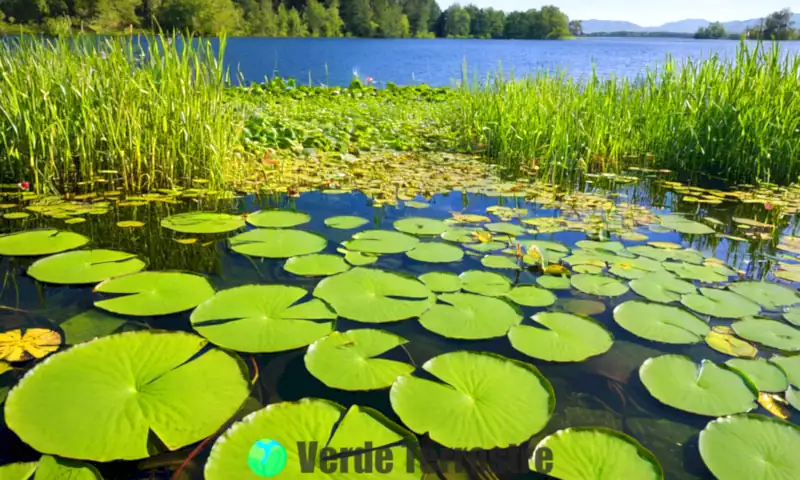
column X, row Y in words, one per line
column 485, row 283
column 277, row 218
column 52, row 468
column 440, row 282
column 381, row 241
column 597, row 453
column 705, row 389
column 20, row 346
column 500, row 402
column 682, row 224
column 262, row 318
column 154, row 293
column 84, row 266
column 750, row 446
column 137, row 384
column 770, row 333
column 203, row 222
column 660, row 323
column 358, row 259
column 420, row 226
column 470, row 317
column 792, row 316
column 554, row 283
column 720, row 303
column 375, row 296
column 40, row 242
column 18, row 471
column 790, row 366
column 661, row 287
column 500, row 262
column 599, row 285
column 346, row 222
column 580, row 306
column 346, row 360
column 551, row 251
column 436, row 252
column 703, row 273
column 765, row 376
column 508, row 228
column 277, row 243
column 531, row 296
column 486, row 246
column 89, row 325
column 771, row 296
column 316, row 265
column 724, row 341
column 567, row 338
column 460, row 234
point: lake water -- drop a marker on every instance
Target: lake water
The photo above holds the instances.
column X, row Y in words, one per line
column 439, row 62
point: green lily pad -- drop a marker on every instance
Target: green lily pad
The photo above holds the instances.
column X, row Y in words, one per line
column 277, row 218
column 299, row 426
column 771, row 296
column 358, row 259
column 16, row 215
column 316, row 265
column 599, row 285
column 35, row 243
column 660, row 323
column 702, row 273
column 154, row 293
column 441, row 282
column 460, row 235
column 500, row 262
column 792, row 315
column 580, row 306
column 531, row 296
column 729, row 344
column 653, row 253
column 765, row 376
column 793, row 397
column 612, row 247
column 705, row 389
column 89, row 325
column 381, row 241
column 508, row 228
column 101, row 401
column 591, row 269
column 597, row 453
column 203, row 222
column 567, row 338
column 277, row 243
column 262, row 318
column 346, row 360
column 750, row 446
column 790, row 366
column 486, row 246
column 52, row 468
column 346, row 222
column 499, row 402
column 420, row 226
column 84, row 266
column 375, row 296
column 435, row 252
column 682, row 224
column 551, row 251
column 771, row 333
column 485, row 283
column 18, row 471
column 551, row 282
column 633, row 268
column 470, row 317
column 661, row 287
column 720, row 303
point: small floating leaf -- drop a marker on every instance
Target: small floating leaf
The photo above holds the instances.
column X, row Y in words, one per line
column 154, row 293
column 770, row 333
column 722, row 340
column 441, row 281
column 485, row 283
column 599, row 285
column 420, row 226
column 346, row 222
column 19, row 346
column 554, row 283
column 40, row 242
column 567, row 338
column 765, row 376
column 683, row 225
column 471, row 317
column 790, row 366
column 316, row 264
column 499, row 262
column 771, row 296
column 661, row 287
column 660, row 323
column 435, row 252
column 720, row 303
column 381, row 241
column 277, row 218
column 84, row 266
column 531, row 296
column 203, row 222
column 130, row 224
column 277, row 243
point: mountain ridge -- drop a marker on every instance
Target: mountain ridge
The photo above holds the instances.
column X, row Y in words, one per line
column 689, row 25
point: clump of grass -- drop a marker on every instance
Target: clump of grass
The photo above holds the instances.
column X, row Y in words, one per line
column 150, row 108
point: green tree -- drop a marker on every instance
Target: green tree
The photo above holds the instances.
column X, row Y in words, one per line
column 713, row 30
column 115, row 14
column 357, row 17
column 576, row 28
column 456, row 21
column 778, row 25
column 315, row 18
column 390, row 20
column 418, row 13
column 294, row 24
column 209, row 17
column 260, row 17
column 333, row 21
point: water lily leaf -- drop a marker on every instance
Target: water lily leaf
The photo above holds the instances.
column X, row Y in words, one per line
column 19, row 346
column 375, row 296
column 488, row 246
column 500, row 262
column 599, row 285
column 720, row 303
column 580, row 306
column 771, row 296
column 203, row 222
column 485, row 283
column 703, row 273
column 16, row 215
column 551, row 251
column 460, row 235
column 770, row 333
column 311, row 421
column 792, row 316
column 420, row 226
column 598, row 453
column 381, row 241
column 684, row 225
column 138, row 384
column 722, row 340
column 358, row 259
column 262, row 318
column 52, row 468
column 765, row 376
column 661, row 287
column 471, row 317
column 154, row 293
column 554, row 283
column 750, row 446
column 507, row 401
column 751, row 223
column 415, row 204
column 277, row 218
column 508, row 228
column 635, row 267
column 84, row 266
column 277, row 243
column 660, row 323
column 316, row 264
column 346, row 222
column 705, row 389
column 346, row 360
column 441, row 281
column 556, row 269
column 567, row 338
column 40, row 242
column 435, row 252
column 89, row 325
column 665, row 245
column 653, row 253
column 18, row 471
column 130, row 224
column 611, row 247
column 790, row 366
column 531, row 296
column 591, row 269
column 793, row 397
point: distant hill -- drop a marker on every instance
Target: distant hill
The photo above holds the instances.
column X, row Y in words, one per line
column 682, row 26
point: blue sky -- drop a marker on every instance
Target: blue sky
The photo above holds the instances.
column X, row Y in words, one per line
column 646, row 12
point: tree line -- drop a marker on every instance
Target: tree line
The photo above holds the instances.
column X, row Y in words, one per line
column 286, row 18
column 775, row 26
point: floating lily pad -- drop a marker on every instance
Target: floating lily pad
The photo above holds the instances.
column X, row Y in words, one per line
column 508, row 228
column 203, row 222
column 486, row 246
column 277, row 218
column 792, row 316
column 154, row 293
column 705, row 389
column 436, row 252
column 551, row 251
column 346, row 360
column 375, row 296
column 20, row 346
column 359, row 259
column 633, row 268
column 84, row 266
column 277, row 243
column 381, row 241
column 137, row 384
column 597, row 453
column 316, row 264
column 684, row 225
column 599, row 285
column 790, row 366
column 661, row 287
column 262, row 318
column 703, row 273
column 580, row 306
column 470, row 317
column 720, row 303
column 460, row 235
column 420, row 226
column 591, row 269
column 440, row 282
column 771, row 296
column 724, row 341
column 554, row 283
column 567, row 338
column 16, row 215
column 765, row 376
column 346, row 222
column 89, row 325
column 531, row 296
column 39, row 242
column 770, row 333
column 500, row 262
column 500, row 402
column 660, row 323
column 52, row 468
column 485, row 283
column 18, row 471
column 750, row 446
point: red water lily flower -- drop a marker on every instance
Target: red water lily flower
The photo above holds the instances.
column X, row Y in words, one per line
column 24, row 185
column 768, row 206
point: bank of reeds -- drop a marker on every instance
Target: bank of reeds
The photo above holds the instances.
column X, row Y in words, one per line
column 152, row 109
column 736, row 118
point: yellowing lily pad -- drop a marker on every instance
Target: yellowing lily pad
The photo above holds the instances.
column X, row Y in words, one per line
column 20, row 346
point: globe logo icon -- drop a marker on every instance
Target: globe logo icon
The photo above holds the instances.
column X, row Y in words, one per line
column 266, row 458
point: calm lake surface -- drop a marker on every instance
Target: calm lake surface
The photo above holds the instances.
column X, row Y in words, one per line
column 439, row 62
